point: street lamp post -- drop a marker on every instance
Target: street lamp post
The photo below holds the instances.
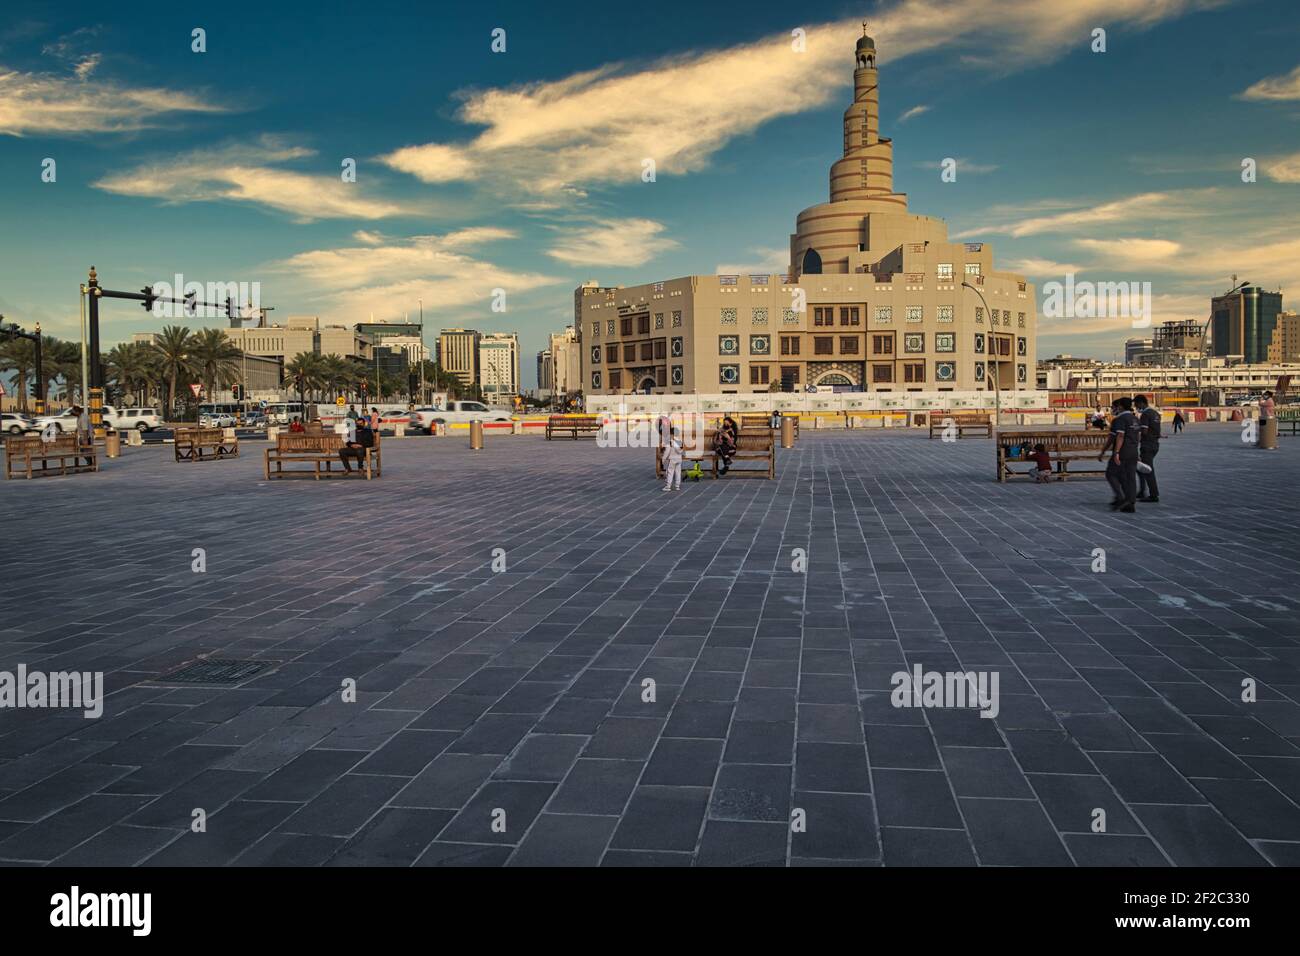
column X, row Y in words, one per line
column 420, row 355
column 992, row 349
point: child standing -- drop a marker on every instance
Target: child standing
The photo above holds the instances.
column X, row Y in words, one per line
column 673, row 462
column 1044, row 463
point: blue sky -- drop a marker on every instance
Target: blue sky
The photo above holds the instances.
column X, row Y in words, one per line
column 522, row 170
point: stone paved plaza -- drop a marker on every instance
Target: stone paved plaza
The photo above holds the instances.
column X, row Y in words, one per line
column 500, row 717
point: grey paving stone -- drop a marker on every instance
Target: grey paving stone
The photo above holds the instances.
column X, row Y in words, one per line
column 838, row 826
column 920, row 846
column 560, row 840
column 1123, row 683
column 757, row 792
column 501, row 812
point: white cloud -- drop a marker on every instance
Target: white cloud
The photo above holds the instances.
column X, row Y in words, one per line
column 1282, row 169
column 240, row 173
column 596, row 127
column 1034, row 268
column 914, row 111
column 1118, row 210
column 389, row 277
column 611, row 242
column 50, row 104
column 769, row 261
column 1134, row 252
column 1285, row 87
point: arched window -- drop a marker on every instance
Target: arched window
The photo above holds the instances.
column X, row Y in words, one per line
column 812, row 263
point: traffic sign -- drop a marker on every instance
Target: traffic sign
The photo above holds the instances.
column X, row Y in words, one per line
column 262, row 403
column 195, row 387
column 339, row 401
column 2, row 388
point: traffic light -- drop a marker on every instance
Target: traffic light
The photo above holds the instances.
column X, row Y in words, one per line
column 149, row 298
column 230, row 307
column 234, row 392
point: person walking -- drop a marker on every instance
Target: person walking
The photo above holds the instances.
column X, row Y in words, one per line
column 1179, row 421
column 1122, row 446
column 672, row 458
column 1148, row 448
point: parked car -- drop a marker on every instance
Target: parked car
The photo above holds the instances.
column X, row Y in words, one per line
column 255, row 420
column 217, row 420
column 16, row 423
column 426, row 418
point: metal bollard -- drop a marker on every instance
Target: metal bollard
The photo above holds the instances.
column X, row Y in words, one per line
column 787, row 432
column 476, row 435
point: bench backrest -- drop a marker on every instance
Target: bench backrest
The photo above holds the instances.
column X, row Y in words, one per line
column 754, row 441
column 1057, row 440
column 23, row 445
column 202, row 436
column 318, row 443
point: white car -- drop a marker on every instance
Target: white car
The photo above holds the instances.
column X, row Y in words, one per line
column 217, row 420
column 426, row 418
column 15, row 423
column 141, row 419
column 64, row 421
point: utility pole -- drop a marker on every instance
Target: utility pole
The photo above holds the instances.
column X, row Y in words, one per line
column 420, row 356
column 992, row 350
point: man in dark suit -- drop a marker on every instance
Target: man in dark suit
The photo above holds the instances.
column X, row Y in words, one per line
column 1148, row 448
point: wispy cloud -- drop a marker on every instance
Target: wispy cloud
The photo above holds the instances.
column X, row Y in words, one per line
column 914, row 111
column 1132, row 252
column 611, row 242
column 1285, row 87
column 55, row 104
column 596, row 127
column 1117, row 210
column 767, row 261
column 243, row 173
column 389, row 275
column 1282, row 169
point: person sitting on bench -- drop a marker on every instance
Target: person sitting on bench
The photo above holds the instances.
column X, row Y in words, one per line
column 365, row 440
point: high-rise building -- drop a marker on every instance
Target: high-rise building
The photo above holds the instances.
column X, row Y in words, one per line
column 458, row 354
column 1137, row 351
column 498, row 365
column 1285, row 344
column 874, row 298
column 564, row 373
column 545, row 375
column 1242, row 323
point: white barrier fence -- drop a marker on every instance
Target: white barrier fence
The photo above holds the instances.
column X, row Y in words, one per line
column 810, row 403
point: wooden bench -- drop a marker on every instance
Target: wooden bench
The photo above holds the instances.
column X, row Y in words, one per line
column 962, row 422
column 22, row 454
column 748, row 422
column 1288, row 422
column 758, row 445
column 204, row 444
column 573, row 425
column 317, row 450
column 1064, row 446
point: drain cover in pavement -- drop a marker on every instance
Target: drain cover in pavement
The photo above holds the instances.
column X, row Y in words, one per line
column 214, row 672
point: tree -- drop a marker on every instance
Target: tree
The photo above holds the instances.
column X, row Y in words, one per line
column 18, row 356
column 215, row 359
column 306, row 370
column 172, row 348
column 131, row 365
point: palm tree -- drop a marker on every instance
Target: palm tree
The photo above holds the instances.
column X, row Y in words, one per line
column 306, row 370
column 67, row 365
column 338, row 375
column 18, row 356
column 172, row 348
column 131, row 366
column 215, row 359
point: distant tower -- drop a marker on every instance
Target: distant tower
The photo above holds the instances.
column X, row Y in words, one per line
column 829, row 234
column 867, row 168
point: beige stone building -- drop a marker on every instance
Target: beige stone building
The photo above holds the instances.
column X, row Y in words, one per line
column 874, row 298
column 458, row 354
column 1285, row 344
